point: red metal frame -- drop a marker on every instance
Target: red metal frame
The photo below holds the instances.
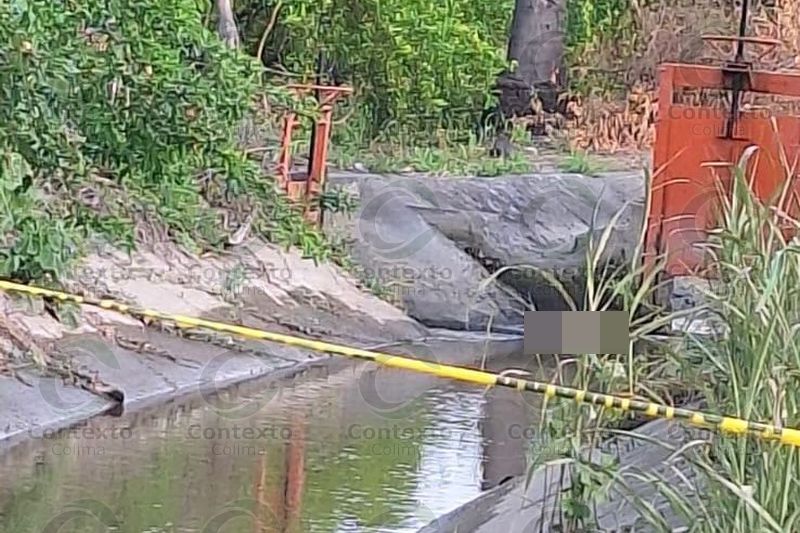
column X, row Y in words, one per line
column 689, row 147
column 306, row 187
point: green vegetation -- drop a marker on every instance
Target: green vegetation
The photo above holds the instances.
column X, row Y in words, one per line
column 744, row 484
column 581, row 163
column 120, row 120
column 753, row 373
column 117, row 119
column 591, row 20
column 416, row 66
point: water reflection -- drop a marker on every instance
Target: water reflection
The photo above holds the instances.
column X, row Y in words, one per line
column 505, row 450
column 316, row 457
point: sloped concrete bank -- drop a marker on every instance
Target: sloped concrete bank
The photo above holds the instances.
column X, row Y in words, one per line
column 99, row 361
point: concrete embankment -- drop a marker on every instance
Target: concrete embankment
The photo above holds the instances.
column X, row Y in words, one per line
column 101, row 361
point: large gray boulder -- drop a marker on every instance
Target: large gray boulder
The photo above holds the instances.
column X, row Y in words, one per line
column 440, row 239
column 430, row 274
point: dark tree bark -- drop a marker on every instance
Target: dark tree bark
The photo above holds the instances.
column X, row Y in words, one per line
column 537, row 40
column 536, row 43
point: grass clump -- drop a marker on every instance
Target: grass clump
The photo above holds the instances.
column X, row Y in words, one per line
column 119, row 120
column 455, row 159
column 580, row 162
column 754, row 371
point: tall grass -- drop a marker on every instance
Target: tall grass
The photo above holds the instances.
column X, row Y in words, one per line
column 567, row 430
column 738, row 484
column 753, row 484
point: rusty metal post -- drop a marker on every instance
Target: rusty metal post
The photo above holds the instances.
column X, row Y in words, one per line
column 305, row 188
column 285, row 158
column 318, row 163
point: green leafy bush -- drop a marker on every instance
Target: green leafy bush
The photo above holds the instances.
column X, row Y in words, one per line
column 116, row 114
column 587, row 20
column 416, row 65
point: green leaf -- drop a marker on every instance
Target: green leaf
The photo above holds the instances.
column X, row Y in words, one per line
column 15, row 170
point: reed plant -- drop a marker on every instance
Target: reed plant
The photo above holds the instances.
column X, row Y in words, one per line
column 709, row 481
column 752, row 484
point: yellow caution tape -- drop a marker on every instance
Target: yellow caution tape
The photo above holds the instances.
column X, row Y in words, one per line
column 725, row 424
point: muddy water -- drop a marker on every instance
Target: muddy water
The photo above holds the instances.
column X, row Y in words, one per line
column 339, row 449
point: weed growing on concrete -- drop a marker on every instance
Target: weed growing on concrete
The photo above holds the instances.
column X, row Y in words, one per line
column 448, row 157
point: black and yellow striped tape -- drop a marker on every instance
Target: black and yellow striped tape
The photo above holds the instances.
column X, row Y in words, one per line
column 725, row 424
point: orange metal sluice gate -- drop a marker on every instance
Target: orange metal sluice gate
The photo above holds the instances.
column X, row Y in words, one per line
column 697, row 147
column 306, row 187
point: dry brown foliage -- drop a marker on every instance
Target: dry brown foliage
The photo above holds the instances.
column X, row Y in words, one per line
column 672, row 30
column 603, row 126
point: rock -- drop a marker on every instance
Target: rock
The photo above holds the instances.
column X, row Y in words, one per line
column 431, row 275
column 469, row 227
column 699, row 313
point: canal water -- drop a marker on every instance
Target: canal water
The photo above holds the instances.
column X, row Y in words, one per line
column 345, row 448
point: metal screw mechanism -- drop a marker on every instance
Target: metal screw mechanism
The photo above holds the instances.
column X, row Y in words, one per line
column 737, row 72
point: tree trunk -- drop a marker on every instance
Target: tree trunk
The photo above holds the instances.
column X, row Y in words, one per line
column 537, row 40
column 226, row 24
column 536, row 43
